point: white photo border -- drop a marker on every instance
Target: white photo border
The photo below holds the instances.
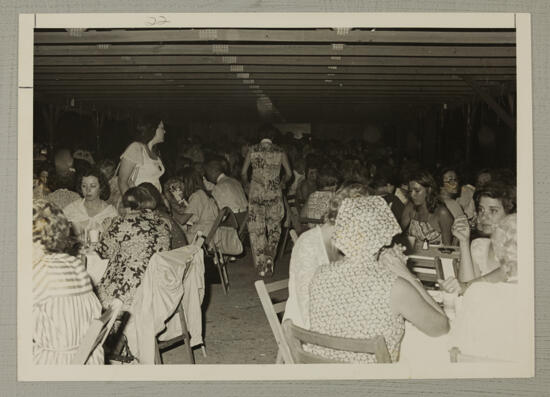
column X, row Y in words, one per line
column 525, row 366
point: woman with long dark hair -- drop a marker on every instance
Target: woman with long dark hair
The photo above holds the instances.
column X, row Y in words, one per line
column 141, row 160
column 425, row 217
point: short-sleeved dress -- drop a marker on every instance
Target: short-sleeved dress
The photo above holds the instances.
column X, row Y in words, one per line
column 129, row 244
column 149, row 170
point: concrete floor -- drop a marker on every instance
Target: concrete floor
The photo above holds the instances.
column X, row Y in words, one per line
column 235, row 329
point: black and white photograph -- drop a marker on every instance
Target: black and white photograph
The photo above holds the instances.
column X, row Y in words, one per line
column 242, row 196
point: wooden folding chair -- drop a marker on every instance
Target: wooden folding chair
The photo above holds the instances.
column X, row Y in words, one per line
column 225, row 218
column 297, row 336
column 97, row 333
column 272, row 311
column 184, row 337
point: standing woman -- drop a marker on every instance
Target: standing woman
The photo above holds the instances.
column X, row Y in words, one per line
column 141, row 161
column 265, row 208
column 425, row 217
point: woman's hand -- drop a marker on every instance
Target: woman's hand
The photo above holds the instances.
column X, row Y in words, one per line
column 452, row 286
column 461, row 229
column 395, row 259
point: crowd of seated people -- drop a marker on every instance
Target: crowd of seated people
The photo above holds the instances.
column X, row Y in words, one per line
column 347, row 275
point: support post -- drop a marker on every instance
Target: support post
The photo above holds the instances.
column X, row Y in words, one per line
column 509, row 120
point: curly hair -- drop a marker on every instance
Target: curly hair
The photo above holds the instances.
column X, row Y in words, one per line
column 499, row 190
column 351, row 190
column 50, row 227
column 192, row 181
column 104, row 189
column 425, row 179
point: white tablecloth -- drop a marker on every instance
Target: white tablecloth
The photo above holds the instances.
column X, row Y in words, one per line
column 157, row 299
column 417, row 348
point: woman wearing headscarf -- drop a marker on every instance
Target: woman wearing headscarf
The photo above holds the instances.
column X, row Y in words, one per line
column 313, row 249
column 368, row 292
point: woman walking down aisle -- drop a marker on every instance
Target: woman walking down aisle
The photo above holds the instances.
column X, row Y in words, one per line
column 265, row 208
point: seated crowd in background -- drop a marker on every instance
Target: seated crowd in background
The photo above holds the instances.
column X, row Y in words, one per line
column 347, row 274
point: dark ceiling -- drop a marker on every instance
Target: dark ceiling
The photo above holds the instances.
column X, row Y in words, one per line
column 297, row 74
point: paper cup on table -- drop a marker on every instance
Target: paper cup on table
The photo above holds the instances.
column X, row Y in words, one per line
column 93, row 235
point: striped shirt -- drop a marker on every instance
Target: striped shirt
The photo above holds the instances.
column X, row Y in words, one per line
column 63, row 308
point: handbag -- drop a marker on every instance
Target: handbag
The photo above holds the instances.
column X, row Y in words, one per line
column 226, row 239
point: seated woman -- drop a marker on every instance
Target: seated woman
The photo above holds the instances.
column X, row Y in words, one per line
column 173, row 191
column 494, row 201
column 361, row 295
column 425, row 217
column 201, row 206
column 92, row 212
column 313, row 249
column 63, row 301
column 309, row 184
column 486, row 322
column 177, row 237
column 318, row 202
column 129, row 244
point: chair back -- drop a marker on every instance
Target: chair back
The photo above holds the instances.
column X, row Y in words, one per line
column 271, row 311
column 297, row 336
column 97, row 333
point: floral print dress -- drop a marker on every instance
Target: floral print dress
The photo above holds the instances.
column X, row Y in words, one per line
column 265, row 206
column 129, row 244
column 351, row 297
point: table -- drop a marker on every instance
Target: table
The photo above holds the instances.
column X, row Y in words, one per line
column 157, row 298
column 417, row 348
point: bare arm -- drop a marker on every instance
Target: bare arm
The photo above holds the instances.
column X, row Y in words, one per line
column 445, row 220
column 124, row 172
column 406, row 216
column 407, row 301
column 244, row 170
column 466, row 271
column 286, row 166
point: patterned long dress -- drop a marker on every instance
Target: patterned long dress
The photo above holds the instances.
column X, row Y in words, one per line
column 63, row 308
column 351, row 297
column 265, row 206
column 129, row 244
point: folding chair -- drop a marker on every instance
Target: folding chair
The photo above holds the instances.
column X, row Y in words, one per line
column 225, row 218
column 272, row 311
column 97, row 333
column 297, row 336
column 184, row 337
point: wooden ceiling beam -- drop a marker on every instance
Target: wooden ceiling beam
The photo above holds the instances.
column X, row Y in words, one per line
column 264, row 84
column 273, row 60
column 276, row 49
column 276, row 35
column 274, row 69
column 220, row 78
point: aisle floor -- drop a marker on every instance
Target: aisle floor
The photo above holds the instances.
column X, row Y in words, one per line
column 235, row 328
